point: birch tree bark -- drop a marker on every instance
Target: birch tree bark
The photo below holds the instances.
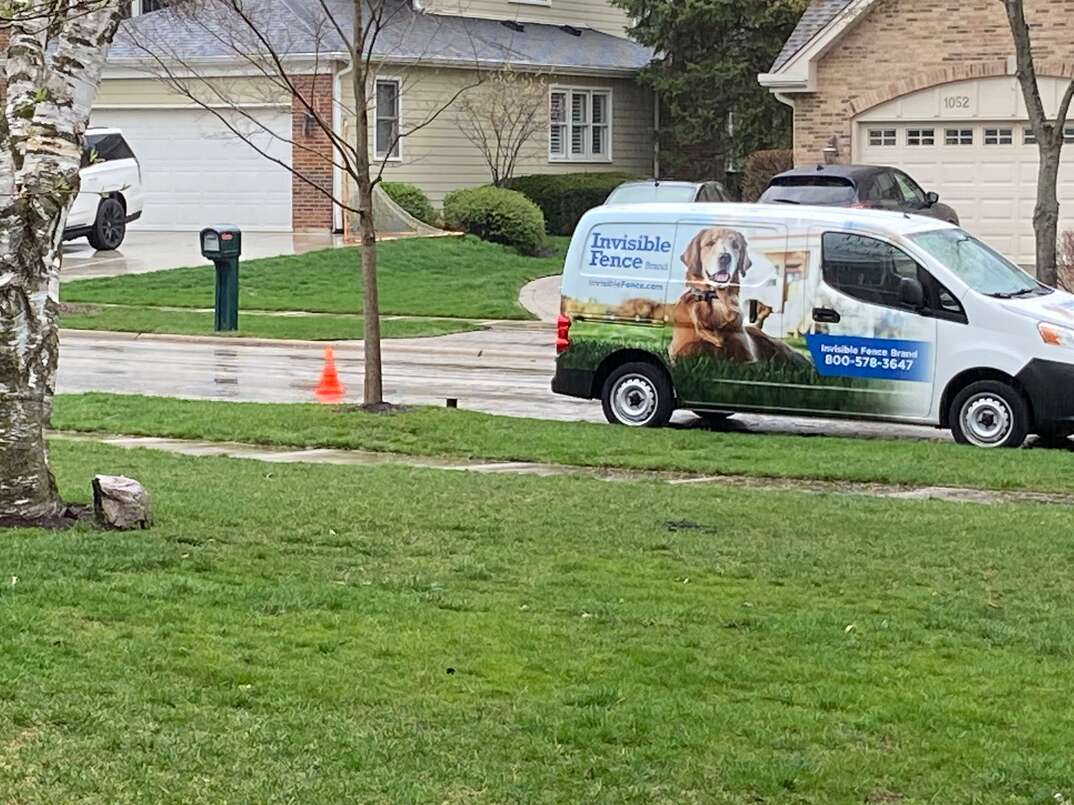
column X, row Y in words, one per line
column 54, row 61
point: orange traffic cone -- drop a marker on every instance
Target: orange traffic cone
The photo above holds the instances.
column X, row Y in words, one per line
column 329, row 389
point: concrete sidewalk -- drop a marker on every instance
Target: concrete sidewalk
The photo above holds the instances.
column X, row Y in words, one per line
column 365, row 458
column 541, row 298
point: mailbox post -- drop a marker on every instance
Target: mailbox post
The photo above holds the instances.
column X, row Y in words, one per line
column 223, row 245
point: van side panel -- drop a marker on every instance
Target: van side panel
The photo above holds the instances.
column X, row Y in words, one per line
column 728, row 305
column 613, row 291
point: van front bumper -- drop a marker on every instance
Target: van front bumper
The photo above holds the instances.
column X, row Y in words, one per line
column 573, row 383
column 1050, row 388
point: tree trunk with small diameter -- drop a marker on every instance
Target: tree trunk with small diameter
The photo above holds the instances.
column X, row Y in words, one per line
column 1050, row 140
column 373, row 380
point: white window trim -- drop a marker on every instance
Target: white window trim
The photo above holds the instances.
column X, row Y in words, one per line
column 398, row 81
column 588, row 158
column 883, row 137
column 921, row 134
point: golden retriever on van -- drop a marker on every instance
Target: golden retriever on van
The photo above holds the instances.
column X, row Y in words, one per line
column 708, row 318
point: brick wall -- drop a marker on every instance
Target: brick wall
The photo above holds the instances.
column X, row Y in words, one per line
column 905, row 45
column 311, row 156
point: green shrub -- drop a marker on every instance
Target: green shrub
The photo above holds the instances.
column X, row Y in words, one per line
column 760, row 167
column 497, row 215
column 412, row 199
column 565, row 198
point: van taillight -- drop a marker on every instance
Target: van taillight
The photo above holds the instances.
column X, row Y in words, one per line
column 563, row 334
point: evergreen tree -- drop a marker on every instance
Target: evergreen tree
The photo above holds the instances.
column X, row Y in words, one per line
column 708, row 56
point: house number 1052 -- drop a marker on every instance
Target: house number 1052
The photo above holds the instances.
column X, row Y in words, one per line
column 956, row 102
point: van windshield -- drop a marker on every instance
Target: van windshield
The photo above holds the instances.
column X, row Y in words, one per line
column 979, row 266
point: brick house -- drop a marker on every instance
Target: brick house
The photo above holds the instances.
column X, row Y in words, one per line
column 195, row 170
column 930, row 88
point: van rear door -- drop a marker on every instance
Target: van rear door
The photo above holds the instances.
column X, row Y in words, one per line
column 871, row 339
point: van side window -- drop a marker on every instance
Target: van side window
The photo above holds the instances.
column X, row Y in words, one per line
column 866, row 268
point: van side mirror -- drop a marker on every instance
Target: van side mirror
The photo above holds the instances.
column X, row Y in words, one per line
column 912, row 293
column 933, row 198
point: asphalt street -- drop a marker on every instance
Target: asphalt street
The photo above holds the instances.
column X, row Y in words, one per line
column 505, row 370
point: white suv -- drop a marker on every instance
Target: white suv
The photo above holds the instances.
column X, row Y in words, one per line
column 111, row 193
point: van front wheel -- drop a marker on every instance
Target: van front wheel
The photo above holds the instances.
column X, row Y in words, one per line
column 990, row 414
column 638, row 395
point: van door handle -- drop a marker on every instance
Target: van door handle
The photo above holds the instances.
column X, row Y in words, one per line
column 825, row 315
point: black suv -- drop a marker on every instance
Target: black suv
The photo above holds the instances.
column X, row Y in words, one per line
column 869, row 186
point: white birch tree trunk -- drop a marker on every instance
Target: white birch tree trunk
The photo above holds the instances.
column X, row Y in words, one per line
column 54, row 62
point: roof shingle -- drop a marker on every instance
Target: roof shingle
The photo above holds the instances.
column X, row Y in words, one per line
column 814, row 20
column 409, row 36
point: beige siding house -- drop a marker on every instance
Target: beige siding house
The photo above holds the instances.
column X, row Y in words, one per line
column 196, row 171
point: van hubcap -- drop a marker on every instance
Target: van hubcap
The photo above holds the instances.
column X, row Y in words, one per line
column 986, row 420
column 635, row 400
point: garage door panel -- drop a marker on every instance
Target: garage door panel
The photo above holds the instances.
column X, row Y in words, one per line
column 195, row 172
column 992, row 187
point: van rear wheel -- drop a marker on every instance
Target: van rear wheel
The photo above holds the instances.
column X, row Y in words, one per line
column 638, row 395
column 990, row 413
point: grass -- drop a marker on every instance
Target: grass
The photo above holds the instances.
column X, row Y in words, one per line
column 449, row 277
column 309, row 634
column 467, row 434
column 308, row 328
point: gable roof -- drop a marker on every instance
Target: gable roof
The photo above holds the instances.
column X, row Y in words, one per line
column 815, row 19
column 409, row 36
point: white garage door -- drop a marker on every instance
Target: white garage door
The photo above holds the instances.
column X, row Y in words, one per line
column 986, row 171
column 195, row 172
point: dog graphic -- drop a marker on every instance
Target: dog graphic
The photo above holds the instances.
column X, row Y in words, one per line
column 708, row 318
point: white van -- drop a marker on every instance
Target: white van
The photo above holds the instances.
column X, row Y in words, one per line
column 811, row 311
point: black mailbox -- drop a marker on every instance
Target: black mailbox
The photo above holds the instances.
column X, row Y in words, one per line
column 223, row 245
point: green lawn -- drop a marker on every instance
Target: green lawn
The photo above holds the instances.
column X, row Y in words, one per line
column 308, row 328
column 440, row 432
column 317, row 634
column 453, row 277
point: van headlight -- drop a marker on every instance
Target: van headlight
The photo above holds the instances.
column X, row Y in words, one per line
column 1055, row 335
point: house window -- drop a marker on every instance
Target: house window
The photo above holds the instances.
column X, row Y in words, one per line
column 1029, row 137
column 882, row 136
column 958, row 137
column 999, row 136
column 921, row 136
column 579, row 125
column 1068, row 135
column 387, row 119
column 133, row 8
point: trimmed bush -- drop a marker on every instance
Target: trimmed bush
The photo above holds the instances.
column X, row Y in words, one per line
column 497, row 215
column 565, row 198
column 760, row 167
column 412, row 199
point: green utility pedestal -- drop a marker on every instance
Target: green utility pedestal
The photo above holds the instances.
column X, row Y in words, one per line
column 223, row 245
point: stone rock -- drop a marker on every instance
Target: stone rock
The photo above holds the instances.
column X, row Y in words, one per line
column 121, row 503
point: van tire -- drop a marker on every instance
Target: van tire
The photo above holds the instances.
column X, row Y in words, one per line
column 110, row 227
column 990, row 413
column 638, row 395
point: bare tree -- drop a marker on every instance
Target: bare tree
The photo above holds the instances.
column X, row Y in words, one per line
column 502, row 116
column 54, row 61
column 322, row 33
column 1050, row 140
